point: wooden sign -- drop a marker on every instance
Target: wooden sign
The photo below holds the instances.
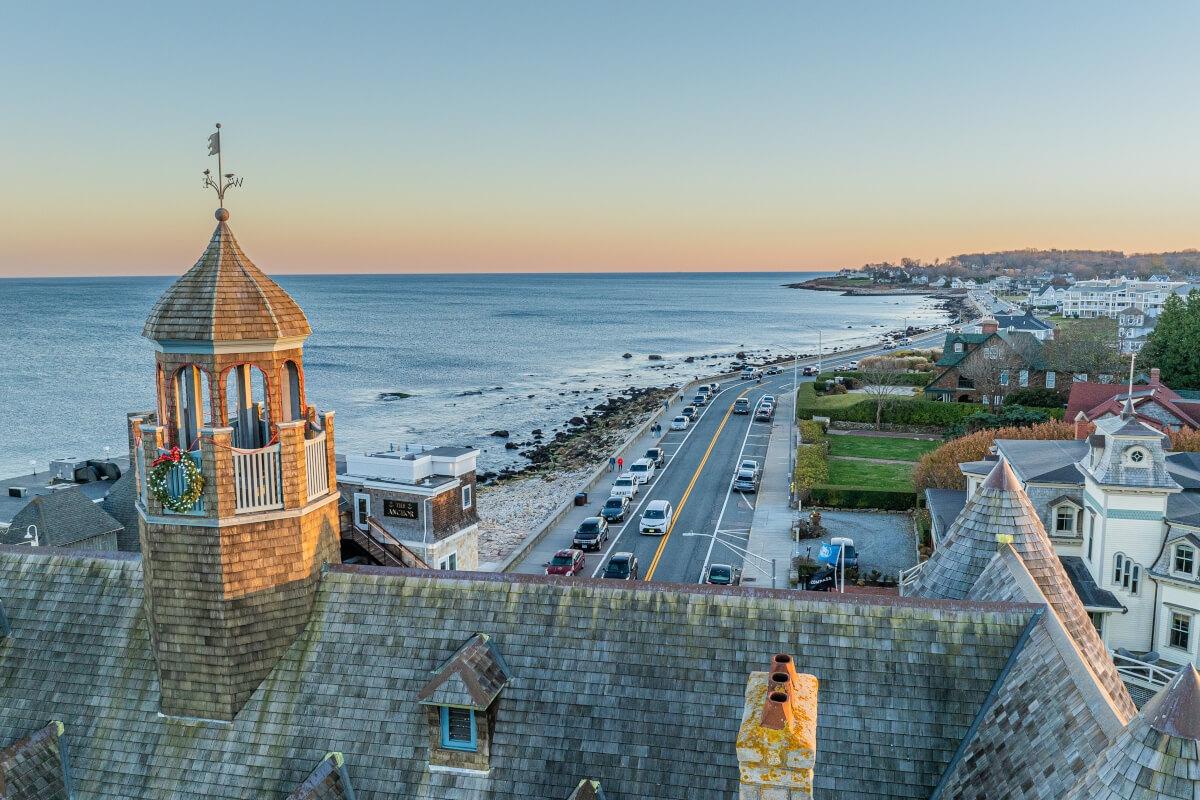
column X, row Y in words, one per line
column 403, row 509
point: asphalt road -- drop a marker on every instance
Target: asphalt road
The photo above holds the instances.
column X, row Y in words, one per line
column 697, row 481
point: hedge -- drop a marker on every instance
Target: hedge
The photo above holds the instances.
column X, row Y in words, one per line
column 904, row 379
column 811, row 466
column 812, row 432
column 855, row 497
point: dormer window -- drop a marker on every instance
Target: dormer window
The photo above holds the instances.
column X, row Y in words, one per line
column 458, row 729
column 462, row 700
column 958, row 347
column 1064, row 520
column 1185, row 559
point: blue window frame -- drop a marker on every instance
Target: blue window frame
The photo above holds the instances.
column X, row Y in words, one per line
column 458, row 729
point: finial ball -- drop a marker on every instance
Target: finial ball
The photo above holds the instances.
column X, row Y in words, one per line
column 222, row 215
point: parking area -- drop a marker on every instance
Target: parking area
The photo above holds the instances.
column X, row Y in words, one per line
column 884, row 541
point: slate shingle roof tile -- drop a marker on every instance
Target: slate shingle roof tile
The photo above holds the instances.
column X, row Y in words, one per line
column 63, row 517
column 35, row 767
column 901, row 682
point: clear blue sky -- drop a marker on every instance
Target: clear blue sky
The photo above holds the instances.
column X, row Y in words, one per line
column 600, row 135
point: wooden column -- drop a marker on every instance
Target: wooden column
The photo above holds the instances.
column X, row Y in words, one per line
column 292, row 465
column 327, row 424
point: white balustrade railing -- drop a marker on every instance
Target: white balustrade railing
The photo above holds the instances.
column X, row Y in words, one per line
column 257, row 481
column 909, row 576
column 317, row 466
column 1152, row 675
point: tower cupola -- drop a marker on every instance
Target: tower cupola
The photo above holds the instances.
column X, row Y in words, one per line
column 237, row 493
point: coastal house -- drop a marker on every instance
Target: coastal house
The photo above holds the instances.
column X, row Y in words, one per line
column 1017, row 323
column 1153, row 403
column 1123, row 514
column 1046, row 297
column 422, row 500
column 939, row 283
column 1134, row 325
column 983, row 367
column 63, row 518
column 1108, row 298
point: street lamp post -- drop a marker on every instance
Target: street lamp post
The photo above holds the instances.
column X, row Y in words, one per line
column 744, row 553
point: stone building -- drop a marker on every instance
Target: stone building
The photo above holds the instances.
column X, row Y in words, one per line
column 983, row 367
column 423, row 499
column 237, row 659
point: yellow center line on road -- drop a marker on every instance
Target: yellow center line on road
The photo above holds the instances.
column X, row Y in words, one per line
column 688, row 491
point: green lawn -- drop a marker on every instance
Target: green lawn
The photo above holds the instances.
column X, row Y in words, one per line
column 880, row 447
column 866, row 475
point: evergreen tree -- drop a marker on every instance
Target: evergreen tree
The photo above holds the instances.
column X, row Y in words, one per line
column 1174, row 344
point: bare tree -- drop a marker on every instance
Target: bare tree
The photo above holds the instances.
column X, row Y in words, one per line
column 994, row 370
column 883, row 381
column 1089, row 346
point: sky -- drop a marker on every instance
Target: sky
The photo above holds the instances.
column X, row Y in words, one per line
column 594, row 136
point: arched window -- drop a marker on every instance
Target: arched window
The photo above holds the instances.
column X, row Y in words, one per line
column 1127, row 573
column 246, row 406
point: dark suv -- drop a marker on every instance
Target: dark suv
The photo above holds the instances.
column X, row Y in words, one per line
column 622, row 567
column 741, row 406
column 591, row 534
column 657, row 455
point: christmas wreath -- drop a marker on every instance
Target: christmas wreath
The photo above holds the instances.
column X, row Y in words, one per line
column 193, row 480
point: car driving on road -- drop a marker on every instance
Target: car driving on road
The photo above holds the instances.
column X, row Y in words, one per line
column 809, row 370
column 680, row 423
column 723, row 575
column 852, row 365
column 741, row 406
column 658, row 456
column 656, row 518
column 642, row 470
column 767, row 398
column 626, row 486
column 774, row 371
column 566, row 562
column 746, row 481
column 591, row 534
column 615, row 508
column 621, row 567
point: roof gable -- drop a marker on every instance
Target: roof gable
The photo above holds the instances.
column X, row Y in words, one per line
column 62, row 518
column 329, row 781
column 35, row 767
column 472, row 677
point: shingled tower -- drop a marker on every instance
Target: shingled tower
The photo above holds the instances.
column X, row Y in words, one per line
column 230, row 572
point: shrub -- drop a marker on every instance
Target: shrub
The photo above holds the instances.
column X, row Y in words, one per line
column 938, row 469
column 919, row 378
column 907, row 411
column 1185, row 440
column 1009, row 416
column 1038, row 398
column 856, row 497
column 812, row 432
column 812, row 467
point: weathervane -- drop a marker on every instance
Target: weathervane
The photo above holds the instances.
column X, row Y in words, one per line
column 223, row 182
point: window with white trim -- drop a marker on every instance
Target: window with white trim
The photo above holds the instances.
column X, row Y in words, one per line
column 1064, row 519
column 958, row 347
column 1023, row 377
column 1185, row 559
column 466, row 496
column 1004, row 377
column 449, row 562
column 1049, row 380
column 1127, row 573
column 1091, row 530
column 1181, row 630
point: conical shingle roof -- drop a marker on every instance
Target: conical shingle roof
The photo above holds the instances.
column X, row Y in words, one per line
column 1001, row 507
column 225, row 298
column 1157, row 757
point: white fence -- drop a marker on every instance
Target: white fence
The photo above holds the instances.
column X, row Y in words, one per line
column 317, row 466
column 1152, row 675
column 257, row 483
column 909, row 576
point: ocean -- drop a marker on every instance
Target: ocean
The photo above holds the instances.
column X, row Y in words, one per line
column 477, row 352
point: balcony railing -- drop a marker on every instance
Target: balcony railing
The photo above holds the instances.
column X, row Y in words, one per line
column 257, row 482
column 317, row 466
column 1149, row 674
column 909, row 576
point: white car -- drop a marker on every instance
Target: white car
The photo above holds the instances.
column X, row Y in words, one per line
column 749, row 464
column 657, row 517
column 769, row 399
column 679, row 424
column 852, row 365
column 625, row 486
column 642, row 470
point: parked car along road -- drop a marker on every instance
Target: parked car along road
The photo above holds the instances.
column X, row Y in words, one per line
column 764, row 413
column 566, row 562
column 746, row 481
column 591, row 534
column 699, row 400
column 626, row 485
column 658, row 456
column 621, row 567
column 749, row 464
column 657, row 517
column 642, row 470
column 689, row 412
column 723, row 575
column 680, row 423
column 615, row 508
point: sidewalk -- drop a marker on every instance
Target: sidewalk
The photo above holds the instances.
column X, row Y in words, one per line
column 771, row 529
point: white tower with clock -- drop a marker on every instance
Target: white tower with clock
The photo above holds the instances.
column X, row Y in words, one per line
column 1126, row 488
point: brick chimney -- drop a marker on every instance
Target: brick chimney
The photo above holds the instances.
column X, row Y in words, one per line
column 988, row 325
column 777, row 742
column 1155, row 380
column 1082, row 429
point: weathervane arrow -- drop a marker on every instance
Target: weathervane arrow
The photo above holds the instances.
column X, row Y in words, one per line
column 222, row 182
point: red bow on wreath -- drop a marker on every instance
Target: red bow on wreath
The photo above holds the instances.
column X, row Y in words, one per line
column 173, row 457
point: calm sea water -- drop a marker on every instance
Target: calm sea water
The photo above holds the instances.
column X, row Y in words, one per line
column 72, row 361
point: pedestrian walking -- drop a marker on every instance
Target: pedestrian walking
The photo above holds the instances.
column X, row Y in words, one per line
column 620, row 463
column 612, row 463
